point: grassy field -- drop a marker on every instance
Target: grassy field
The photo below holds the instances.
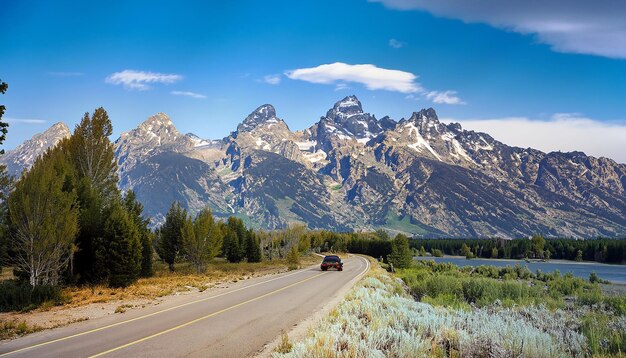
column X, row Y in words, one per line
column 382, row 317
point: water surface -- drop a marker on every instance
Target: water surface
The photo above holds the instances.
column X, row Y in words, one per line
column 613, row 273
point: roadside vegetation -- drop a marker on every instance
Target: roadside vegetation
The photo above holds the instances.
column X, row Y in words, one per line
column 538, row 247
column 440, row 310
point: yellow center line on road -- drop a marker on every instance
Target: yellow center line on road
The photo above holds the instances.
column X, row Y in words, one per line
column 144, row 316
column 204, row 317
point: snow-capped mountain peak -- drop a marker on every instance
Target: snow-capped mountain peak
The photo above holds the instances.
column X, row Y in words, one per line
column 25, row 154
column 263, row 114
column 347, row 107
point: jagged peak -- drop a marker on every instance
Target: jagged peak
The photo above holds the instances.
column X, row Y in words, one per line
column 264, row 113
column 424, row 116
column 348, row 106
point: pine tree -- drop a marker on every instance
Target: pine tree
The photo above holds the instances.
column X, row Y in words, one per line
column 92, row 152
column 169, row 242
column 135, row 211
column 120, row 248
column 43, row 215
column 235, row 240
column 253, row 247
column 400, row 256
column 91, row 221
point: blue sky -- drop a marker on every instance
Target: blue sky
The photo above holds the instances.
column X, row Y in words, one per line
column 551, row 74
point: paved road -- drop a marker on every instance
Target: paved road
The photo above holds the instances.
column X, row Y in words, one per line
column 233, row 322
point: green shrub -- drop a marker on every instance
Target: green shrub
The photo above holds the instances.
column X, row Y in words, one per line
column 16, row 296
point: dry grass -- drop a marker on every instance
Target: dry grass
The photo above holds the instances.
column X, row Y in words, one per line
column 183, row 279
column 6, row 273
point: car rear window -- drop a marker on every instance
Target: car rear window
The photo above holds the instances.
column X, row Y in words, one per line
column 331, row 259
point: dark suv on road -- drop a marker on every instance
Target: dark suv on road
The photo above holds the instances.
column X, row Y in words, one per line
column 332, row 261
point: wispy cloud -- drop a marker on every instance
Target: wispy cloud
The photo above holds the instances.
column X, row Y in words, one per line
column 26, row 120
column 188, row 94
column 138, row 80
column 66, row 74
column 396, row 43
column 372, row 77
column 575, row 26
column 562, row 131
column 271, row 79
column 444, row 97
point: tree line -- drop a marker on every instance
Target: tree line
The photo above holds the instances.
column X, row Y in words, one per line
column 537, row 247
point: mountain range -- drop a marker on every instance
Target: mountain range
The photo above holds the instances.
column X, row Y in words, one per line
column 353, row 171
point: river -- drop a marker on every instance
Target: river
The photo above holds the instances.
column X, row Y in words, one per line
column 613, row 273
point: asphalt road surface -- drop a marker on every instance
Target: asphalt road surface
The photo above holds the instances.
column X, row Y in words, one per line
column 233, row 322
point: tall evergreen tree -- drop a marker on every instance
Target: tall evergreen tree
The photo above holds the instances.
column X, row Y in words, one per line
column 91, row 221
column 253, row 247
column 92, row 152
column 119, row 250
column 135, row 211
column 43, row 215
column 169, row 242
column 235, row 240
column 401, row 255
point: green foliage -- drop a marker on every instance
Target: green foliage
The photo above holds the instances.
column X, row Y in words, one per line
column 235, row 240
column 202, row 239
column 43, row 217
column 293, row 258
column 494, row 253
column 135, row 211
column 120, row 248
column 92, row 152
column 579, row 256
column 538, row 243
column 449, row 285
column 18, row 296
column 401, row 255
column 169, row 240
column 601, row 250
column 5, row 188
column 437, row 253
column 253, row 247
column 602, row 338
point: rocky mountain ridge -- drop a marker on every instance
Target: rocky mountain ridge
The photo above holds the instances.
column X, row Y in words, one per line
column 352, row 171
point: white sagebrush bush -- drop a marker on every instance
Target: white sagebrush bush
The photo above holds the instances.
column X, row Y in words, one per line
column 373, row 321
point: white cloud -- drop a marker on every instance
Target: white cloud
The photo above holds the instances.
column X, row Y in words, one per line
column 138, row 80
column 372, row 77
column 188, row 94
column 575, row 26
column 26, row 120
column 396, row 43
column 563, row 131
column 271, row 79
column 444, row 97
